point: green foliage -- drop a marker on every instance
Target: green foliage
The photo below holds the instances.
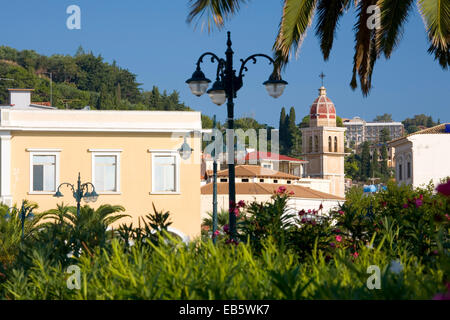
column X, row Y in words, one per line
column 387, row 117
column 79, row 81
column 282, row 255
column 417, row 122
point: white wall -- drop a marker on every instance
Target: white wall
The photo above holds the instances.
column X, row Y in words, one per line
column 431, row 158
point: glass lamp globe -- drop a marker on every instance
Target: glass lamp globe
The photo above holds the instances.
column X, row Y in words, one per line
column 275, row 87
column 198, row 83
column 217, row 93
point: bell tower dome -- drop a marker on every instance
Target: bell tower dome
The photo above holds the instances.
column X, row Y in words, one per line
column 323, row 112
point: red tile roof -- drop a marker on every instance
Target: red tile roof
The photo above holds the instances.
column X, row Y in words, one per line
column 257, row 172
column 268, row 189
column 270, row 156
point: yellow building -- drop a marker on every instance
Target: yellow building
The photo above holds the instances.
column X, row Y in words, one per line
column 131, row 157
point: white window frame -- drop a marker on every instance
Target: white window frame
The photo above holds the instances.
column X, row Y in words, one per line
column 174, row 153
column 44, row 152
column 106, row 152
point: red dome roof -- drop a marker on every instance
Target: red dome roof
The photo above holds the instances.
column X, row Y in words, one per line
column 323, row 107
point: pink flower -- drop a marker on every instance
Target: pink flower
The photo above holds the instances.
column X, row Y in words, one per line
column 309, row 211
column 444, row 189
column 338, row 230
column 302, row 212
column 216, row 233
column 320, row 207
column 303, row 220
column 447, row 216
column 313, row 222
column 241, row 204
column 419, row 203
column 291, row 193
column 405, row 206
column 236, row 212
column 356, row 255
column 281, row 189
column 332, row 244
column 338, row 238
column 226, row 228
column 341, row 212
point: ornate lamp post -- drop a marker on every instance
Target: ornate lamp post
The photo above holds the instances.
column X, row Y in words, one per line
column 81, row 192
column 223, row 90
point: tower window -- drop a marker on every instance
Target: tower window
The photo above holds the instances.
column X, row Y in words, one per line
column 330, row 145
column 335, row 144
column 310, row 145
column 316, row 144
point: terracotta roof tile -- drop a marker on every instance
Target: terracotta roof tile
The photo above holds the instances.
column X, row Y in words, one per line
column 257, row 172
column 439, row 129
column 268, row 189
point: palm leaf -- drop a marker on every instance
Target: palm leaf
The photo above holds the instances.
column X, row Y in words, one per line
column 328, row 14
column 214, row 11
column 436, row 16
column 365, row 48
column 394, row 14
column 297, row 17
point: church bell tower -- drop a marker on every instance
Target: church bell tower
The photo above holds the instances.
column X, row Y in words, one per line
column 323, row 144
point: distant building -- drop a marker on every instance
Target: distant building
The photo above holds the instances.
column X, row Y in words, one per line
column 359, row 131
column 423, row 156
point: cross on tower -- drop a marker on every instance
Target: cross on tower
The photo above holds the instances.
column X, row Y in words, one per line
column 322, row 76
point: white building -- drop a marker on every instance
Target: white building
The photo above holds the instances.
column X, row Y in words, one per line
column 423, row 156
column 359, row 130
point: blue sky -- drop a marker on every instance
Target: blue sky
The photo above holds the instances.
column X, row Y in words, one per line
column 152, row 39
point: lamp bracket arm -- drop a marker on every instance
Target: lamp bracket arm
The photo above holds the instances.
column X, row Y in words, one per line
column 214, row 58
column 66, row 184
column 254, row 60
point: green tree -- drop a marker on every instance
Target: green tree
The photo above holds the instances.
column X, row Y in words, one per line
column 383, row 118
column 283, row 130
column 384, row 161
column 374, row 166
column 385, row 136
column 370, row 43
column 365, row 161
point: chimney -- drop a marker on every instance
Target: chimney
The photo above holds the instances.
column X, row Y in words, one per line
column 20, row 97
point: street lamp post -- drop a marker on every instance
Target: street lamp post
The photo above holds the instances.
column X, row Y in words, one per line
column 223, row 90
column 81, row 192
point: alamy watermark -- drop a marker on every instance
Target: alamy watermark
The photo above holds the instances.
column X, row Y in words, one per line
column 374, row 20
column 74, row 20
column 74, row 280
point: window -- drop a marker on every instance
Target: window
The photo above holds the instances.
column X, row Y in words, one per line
column 44, row 173
column 316, row 143
column 289, row 182
column 409, row 170
column 267, row 166
column 261, row 180
column 44, row 170
column 400, row 175
column 310, row 145
column 106, row 170
column 330, row 144
column 165, row 173
column 275, row 181
column 223, row 180
column 245, row 180
column 105, row 179
column 335, row 144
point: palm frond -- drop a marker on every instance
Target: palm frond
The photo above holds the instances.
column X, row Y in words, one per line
column 328, row 14
column 394, row 14
column 441, row 55
column 214, row 12
column 297, row 17
column 436, row 16
column 365, row 52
